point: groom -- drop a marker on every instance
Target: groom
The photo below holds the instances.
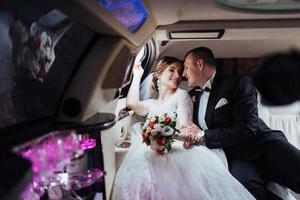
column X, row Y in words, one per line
column 225, row 109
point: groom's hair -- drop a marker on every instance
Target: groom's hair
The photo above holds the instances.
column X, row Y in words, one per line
column 205, row 54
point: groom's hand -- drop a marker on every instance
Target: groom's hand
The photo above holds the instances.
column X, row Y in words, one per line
column 189, row 128
column 192, row 135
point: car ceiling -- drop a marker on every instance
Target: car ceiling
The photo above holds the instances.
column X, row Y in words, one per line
column 247, row 34
column 170, row 11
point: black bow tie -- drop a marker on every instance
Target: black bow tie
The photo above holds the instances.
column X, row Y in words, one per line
column 200, row 90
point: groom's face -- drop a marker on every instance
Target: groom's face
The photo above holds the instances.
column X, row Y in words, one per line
column 192, row 70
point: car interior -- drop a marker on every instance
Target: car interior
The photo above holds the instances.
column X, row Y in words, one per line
column 66, row 68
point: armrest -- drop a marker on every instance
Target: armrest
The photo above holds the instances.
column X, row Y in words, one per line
column 125, row 112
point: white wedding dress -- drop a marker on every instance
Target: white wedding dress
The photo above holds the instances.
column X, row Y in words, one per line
column 197, row 173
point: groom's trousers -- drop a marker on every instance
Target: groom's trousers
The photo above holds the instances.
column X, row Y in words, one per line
column 279, row 163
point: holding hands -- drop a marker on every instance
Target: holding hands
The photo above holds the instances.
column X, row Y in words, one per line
column 192, row 135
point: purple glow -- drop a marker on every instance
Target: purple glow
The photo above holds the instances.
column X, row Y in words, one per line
column 32, row 192
column 50, row 156
column 132, row 14
column 87, row 144
column 52, row 153
column 83, row 180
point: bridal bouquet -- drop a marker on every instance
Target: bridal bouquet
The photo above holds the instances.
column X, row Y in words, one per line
column 159, row 132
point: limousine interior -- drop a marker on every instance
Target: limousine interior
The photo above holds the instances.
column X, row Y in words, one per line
column 66, row 68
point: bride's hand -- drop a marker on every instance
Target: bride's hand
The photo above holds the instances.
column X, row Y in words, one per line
column 190, row 133
column 187, row 145
column 138, row 70
column 189, row 128
column 191, row 140
column 193, row 127
column 184, row 136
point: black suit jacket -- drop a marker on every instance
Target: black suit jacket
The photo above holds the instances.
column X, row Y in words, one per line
column 235, row 127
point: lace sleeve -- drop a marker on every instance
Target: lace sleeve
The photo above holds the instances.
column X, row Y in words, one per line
column 184, row 108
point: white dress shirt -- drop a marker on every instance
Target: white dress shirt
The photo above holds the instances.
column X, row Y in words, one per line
column 201, row 117
column 203, row 103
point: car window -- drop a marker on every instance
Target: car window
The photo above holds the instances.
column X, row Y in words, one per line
column 243, row 66
column 39, row 50
column 146, row 57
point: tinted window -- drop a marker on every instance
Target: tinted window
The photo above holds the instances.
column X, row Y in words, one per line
column 244, row 66
column 39, row 50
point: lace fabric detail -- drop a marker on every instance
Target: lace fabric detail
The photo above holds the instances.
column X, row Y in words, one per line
column 197, row 173
column 133, row 179
column 179, row 102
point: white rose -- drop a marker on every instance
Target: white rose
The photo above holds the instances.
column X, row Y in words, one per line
column 157, row 127
column 33, row 29
column 167, row 131
column 161, row 119
column 43, row 38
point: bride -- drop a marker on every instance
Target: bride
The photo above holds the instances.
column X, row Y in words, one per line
column 195, row 173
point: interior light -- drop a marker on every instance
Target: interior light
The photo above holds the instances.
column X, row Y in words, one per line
column 197, row 34
column 130, row 13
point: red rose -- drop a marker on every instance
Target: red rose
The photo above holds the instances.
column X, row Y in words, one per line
column 168, row 120
column 42, row 73
column 38, row 43
column 151, row 125
column 161, row 142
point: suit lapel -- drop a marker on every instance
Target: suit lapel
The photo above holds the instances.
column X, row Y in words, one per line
column 215, row 90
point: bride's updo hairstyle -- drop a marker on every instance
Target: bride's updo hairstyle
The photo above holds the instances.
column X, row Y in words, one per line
column 161, row 66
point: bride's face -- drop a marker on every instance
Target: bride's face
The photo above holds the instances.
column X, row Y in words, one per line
column 170, row 77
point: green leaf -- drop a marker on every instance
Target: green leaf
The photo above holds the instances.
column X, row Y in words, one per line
column 168, row 146
column 156, row 119
column 173, row 124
